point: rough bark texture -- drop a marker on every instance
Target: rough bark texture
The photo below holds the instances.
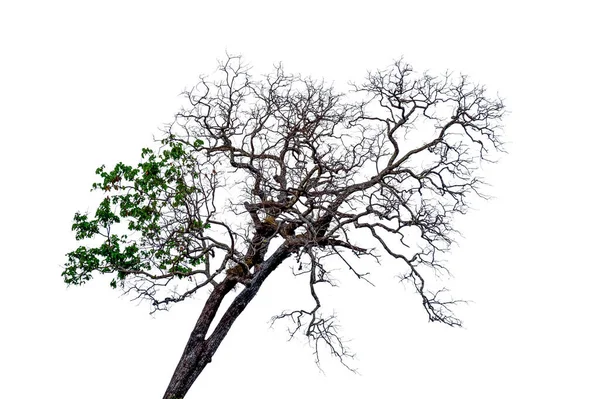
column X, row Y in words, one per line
column 199, row 350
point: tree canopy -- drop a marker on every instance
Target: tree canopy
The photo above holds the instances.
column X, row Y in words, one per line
column 255, row 171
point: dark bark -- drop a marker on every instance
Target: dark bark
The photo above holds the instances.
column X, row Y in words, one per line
column 199, row 350
column 319, row 169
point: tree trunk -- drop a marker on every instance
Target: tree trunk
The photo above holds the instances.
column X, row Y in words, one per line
column 199, row 350
column 195, row 355
column 189, row 368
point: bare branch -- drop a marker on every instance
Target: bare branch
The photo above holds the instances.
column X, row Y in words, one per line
column 287, row 157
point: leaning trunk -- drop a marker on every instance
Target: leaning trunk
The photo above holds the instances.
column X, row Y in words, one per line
column 199, row 350
column 189, row 368
column 196, row 355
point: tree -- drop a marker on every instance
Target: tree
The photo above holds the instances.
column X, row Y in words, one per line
column 252, row 173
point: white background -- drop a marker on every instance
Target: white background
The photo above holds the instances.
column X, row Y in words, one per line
column 86, row 83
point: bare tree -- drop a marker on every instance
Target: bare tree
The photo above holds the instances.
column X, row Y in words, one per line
column 256, row 171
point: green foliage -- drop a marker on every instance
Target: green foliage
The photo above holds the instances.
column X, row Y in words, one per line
column 142, row 200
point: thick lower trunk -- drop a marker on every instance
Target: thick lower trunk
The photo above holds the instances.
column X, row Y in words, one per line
column 189, row 368
column 196, row 354
column 199, row 350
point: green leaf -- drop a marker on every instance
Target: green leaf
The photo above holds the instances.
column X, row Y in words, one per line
column 140, row 201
